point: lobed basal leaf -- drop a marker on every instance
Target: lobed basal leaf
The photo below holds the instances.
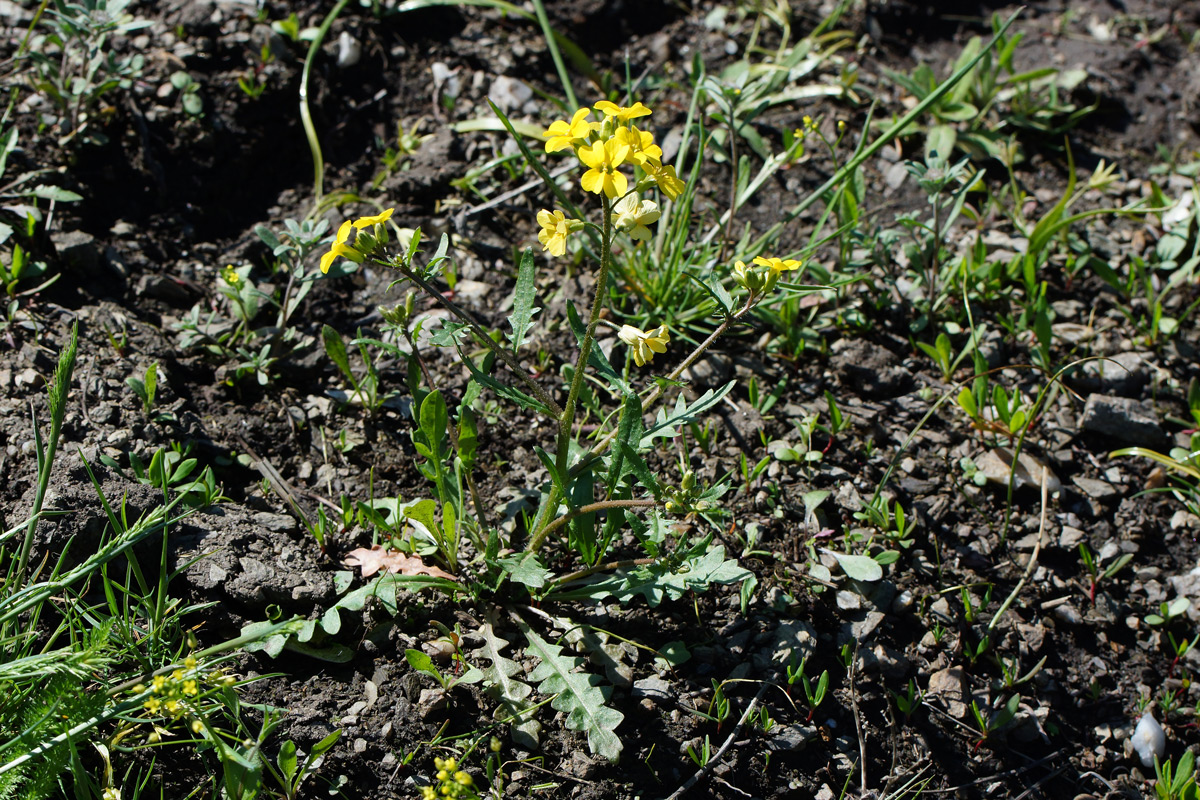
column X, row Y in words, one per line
column 575, row 694
column 502, row 686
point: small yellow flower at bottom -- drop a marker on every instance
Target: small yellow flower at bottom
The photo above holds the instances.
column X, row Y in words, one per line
column 633, row 214
column 111, row 793
column 556, row 227
column 644, row 344
column 428, row 793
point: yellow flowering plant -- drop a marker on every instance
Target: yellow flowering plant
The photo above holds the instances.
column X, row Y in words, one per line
column 596, row 488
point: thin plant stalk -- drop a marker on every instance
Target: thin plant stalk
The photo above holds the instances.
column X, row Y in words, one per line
column 310, row 130
column 45, row 458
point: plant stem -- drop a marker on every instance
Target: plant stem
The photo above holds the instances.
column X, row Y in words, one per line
column 541, row 527
column 310, row 130
column 657, row 393
column 601, row 505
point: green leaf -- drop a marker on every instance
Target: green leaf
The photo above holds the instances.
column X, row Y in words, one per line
column 324, row 745
column 335, row 348
column 966, row 399
column 287, row 759
column 859, row 568
column 501, row 684
column 582, row 528
column 940, row 141
column 421, row 662
column 657, row 582
column 55, row 193
column 596, row 357
column 523, row 308
column 717, row 292
column 629, row 427
column 666, row 426
column 575, row 694
column 507, row 392
column 525, row 568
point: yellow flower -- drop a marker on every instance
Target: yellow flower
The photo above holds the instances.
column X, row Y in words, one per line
column 604, row 158
column 562, row 134
column 633, row 215
column 152, row 705
column 230, row 276
column 191, row 688
column 367, row 222
column 644, row 344
column 641, row 145
column 190, row 662
column 777, row 265
column 428, row 793
column 340, row 249
column 621, row 113
column 197, row 726
column 764, row 273
column 555, row 230
column 668, row 183
column 463, row 778
column 159, row 683
column 173, row 707
column 111, row 793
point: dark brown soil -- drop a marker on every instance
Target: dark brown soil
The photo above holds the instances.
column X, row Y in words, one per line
column 171, row 199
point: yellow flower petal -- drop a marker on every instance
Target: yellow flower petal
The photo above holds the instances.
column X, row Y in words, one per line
column 621, row 113
column 366, row 222
column 343, row 232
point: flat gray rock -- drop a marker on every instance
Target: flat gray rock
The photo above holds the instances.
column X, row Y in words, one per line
column 1123, row 419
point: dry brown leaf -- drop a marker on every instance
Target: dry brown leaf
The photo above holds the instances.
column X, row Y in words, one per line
column 396, row 561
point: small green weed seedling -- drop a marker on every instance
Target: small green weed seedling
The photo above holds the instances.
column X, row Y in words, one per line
column 813, row 696
column 990, row 723
column 1097, row 575
column 1176, row 781
column 908, row 703
column 702, row 756
column 289, row 771
column 1169, row 611
column 145, row 387
column 189, row 92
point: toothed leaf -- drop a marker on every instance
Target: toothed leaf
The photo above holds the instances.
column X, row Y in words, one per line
column 575, row 694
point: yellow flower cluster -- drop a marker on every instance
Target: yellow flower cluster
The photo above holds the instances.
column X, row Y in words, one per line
column 763, row 273
column 169, row 693
column 363, row 243
column 451, row 782
column 606, row 145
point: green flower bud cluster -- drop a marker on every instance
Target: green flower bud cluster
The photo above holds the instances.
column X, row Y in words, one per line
column 687, row 497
